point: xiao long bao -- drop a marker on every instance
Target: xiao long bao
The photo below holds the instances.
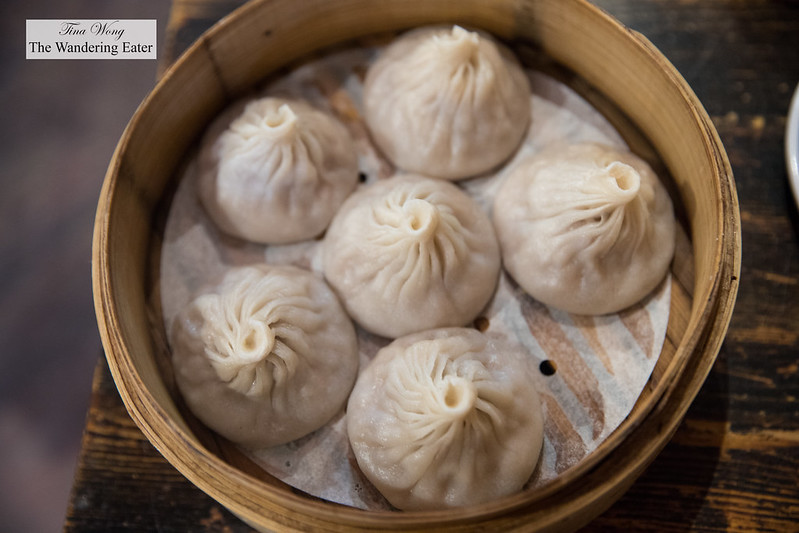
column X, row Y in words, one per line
column 278, row 172
column 447, row 102
column 585, row 228
column 411, row 253
column 266, row 357
column 446, row 418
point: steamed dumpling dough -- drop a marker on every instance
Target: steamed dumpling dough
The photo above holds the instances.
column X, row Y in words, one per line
column 585, row 228
column 267, row 357
column 446, row 418
column 447, row 103
column 411, row 253
column 278, row 172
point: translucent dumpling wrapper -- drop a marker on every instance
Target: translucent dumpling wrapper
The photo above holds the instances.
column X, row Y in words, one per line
column 278, row 171
column 446, row 418
column 447, row 102
column 585, row 228
column 266, row 357
column 411, row 253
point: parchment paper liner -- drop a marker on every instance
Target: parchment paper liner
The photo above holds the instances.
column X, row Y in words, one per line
column 601, row 363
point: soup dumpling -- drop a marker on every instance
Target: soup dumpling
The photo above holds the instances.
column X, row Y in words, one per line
column 446, row 418
column 411, row 253
column 278, row 172
column 447, row 102
column 585, row 228
column 266, row 357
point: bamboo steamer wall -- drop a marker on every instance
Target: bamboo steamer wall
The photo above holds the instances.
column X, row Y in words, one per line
column 619, row 71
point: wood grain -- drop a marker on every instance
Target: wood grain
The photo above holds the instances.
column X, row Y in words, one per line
column 732, row 464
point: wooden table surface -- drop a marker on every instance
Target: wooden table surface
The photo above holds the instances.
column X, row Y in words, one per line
column 733, row 464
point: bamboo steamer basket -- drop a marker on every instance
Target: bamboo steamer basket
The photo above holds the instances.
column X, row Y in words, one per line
column 616, row 69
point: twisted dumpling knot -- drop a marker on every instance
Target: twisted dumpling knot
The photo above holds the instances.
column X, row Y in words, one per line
column 458, row 396
column 459, row 47
column 421, row 218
